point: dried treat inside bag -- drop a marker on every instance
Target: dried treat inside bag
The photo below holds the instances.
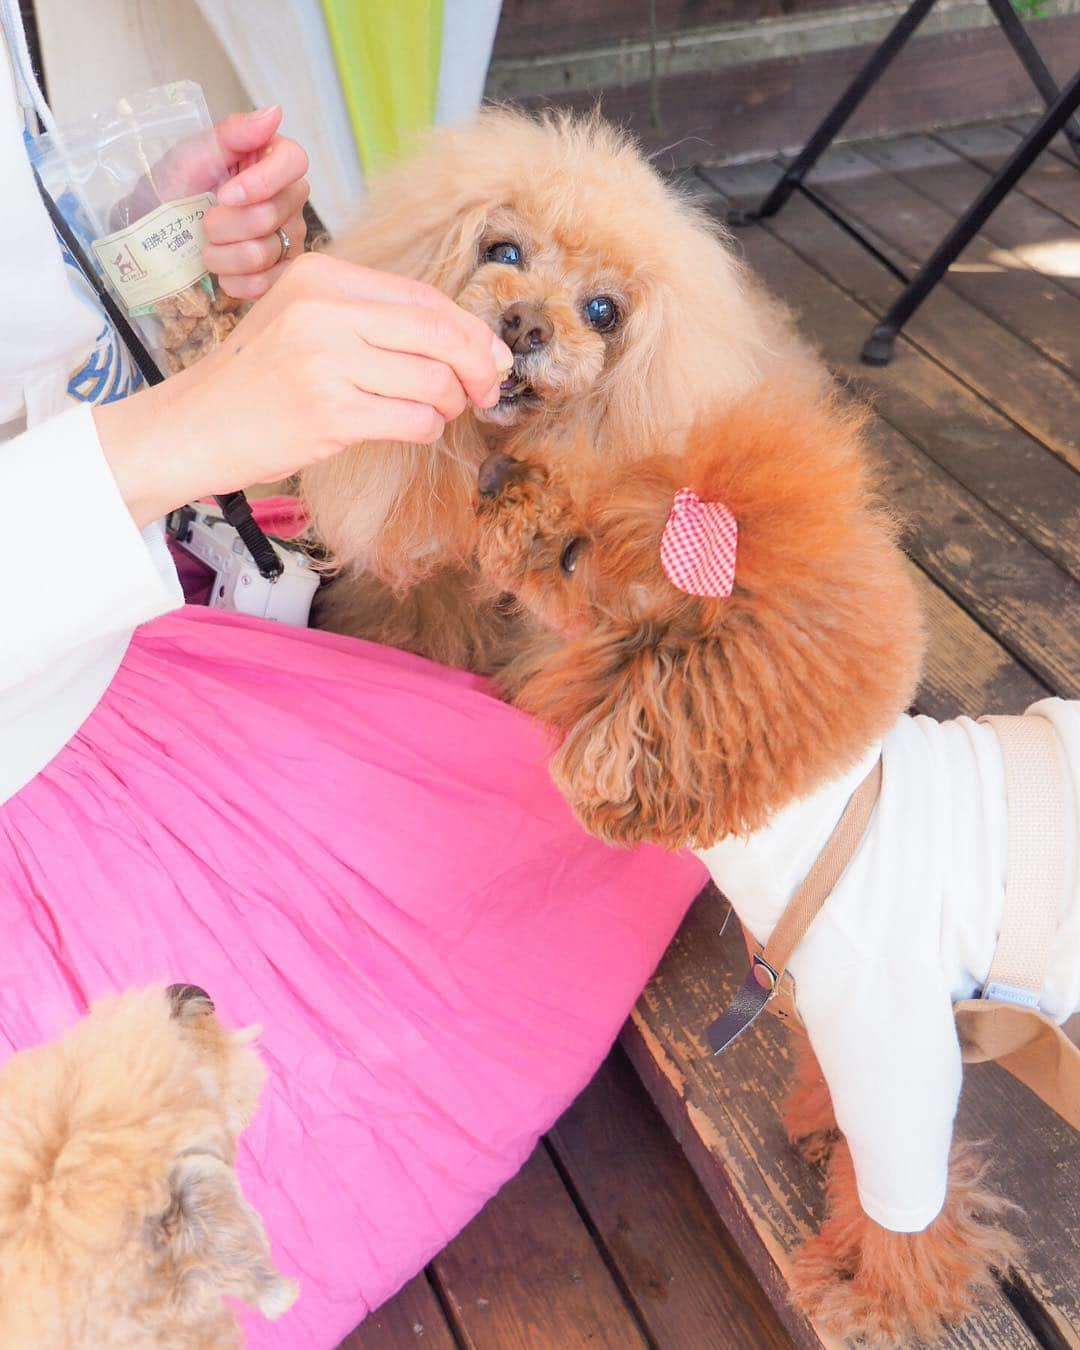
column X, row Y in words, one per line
column 134, row 183
column 192, row 322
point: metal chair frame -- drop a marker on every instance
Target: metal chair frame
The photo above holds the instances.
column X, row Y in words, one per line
column 1061, row 107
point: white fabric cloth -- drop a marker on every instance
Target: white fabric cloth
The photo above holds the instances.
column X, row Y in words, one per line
column 283, row 55
column 76, row 576
column 909, row 930
column 286, row 58
column 467, row 39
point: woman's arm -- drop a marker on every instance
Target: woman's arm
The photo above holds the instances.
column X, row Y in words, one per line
column 334, row 356
column 73, row 566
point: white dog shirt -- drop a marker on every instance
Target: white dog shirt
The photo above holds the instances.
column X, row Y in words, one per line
column 909, row 930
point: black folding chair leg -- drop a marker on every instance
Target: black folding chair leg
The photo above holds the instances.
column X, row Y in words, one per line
column 848, row 101
column 1035, row 66
column 879, row 346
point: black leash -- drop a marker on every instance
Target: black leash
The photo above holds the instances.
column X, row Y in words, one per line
column 234, row 505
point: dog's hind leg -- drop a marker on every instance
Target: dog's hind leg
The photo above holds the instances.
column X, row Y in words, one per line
column 809, row 1118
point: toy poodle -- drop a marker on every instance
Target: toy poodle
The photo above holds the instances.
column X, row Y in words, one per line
column 121, row 1221
column 733, row 639
column 626, row 312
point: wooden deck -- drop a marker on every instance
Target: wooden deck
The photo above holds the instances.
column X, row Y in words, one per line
column 607, row 1238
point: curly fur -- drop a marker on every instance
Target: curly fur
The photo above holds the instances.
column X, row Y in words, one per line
column 121, row 1222
column 891, row 1287
column 682, row 720
column 592, row 217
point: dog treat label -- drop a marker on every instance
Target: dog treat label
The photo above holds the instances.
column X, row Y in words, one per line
column 157, row 256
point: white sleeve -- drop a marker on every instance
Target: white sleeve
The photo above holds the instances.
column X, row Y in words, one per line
column 886, row 1042
column 73, row 565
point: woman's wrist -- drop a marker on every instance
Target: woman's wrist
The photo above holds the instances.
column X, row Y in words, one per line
column 143, row 443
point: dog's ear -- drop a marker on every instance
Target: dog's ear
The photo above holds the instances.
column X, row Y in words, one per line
column 701, row 726
column 444, row 217
column 211, row 1242
column 644, row 742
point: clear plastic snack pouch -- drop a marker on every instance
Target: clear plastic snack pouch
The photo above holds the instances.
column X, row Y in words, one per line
column 133, row 183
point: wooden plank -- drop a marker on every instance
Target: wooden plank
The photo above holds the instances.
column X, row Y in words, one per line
column 525, row 1274
column 686, row 1277
column 1040, row 397
column 775, row 104
column 542, row 27
column 1037, row 493
column 1059, row 146
column 995, row 270
column 965, row 667
column 1053, row 180
column 1021, row 235
column 727, row 1112
column 411, row 1320
column 1024, row 599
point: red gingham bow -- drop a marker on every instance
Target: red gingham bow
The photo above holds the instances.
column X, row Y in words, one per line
column 697, row 549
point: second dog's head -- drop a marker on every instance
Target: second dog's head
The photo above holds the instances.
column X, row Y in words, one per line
column 121, row 1220
column 682, row 717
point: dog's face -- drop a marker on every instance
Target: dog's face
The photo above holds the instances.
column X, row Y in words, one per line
column 561, row 300
column 616, row 295
column 121, row 1221
column 686, row 718
column 626, row 311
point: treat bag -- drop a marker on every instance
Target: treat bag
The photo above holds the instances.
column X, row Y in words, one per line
column 134, row 183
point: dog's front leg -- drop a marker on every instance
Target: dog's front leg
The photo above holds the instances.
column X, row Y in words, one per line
column 858, row 1278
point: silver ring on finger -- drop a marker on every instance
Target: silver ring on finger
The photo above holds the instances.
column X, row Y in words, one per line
column 286, row 243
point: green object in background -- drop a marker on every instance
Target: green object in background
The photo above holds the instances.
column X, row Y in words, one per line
column 387, row 56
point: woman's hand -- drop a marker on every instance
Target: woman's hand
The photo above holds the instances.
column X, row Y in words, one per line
column 335, row 355
column 268, row 193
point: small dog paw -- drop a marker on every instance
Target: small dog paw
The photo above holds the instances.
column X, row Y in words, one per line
column 856, row 1278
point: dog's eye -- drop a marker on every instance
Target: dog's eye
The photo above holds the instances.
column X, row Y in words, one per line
column 504, row 252
column 569, row 560
column 602, row 313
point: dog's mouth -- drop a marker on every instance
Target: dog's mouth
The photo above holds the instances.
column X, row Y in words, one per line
column 516, row 390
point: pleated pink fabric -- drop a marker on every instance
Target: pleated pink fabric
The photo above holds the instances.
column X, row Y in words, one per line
column 363, row 853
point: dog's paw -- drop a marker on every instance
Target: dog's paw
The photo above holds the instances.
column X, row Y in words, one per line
column 858, row 1279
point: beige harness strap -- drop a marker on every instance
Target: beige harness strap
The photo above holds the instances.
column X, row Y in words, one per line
column 839, row 849
column 1005, row 1023
column 1035, row 877
column 768, row 976
column 1029, row 1044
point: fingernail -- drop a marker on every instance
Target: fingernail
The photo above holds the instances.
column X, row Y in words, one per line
column 504, row 357
column 491, row 397
column 260, row 113
column 232, row 193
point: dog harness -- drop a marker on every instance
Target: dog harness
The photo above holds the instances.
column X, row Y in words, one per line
column 1004, row 1022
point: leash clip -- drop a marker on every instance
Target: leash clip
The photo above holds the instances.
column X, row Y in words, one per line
column 757, row 989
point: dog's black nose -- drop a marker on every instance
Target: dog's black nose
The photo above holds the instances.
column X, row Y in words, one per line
column 495, row 472
column 180, row 995
column 524, row 328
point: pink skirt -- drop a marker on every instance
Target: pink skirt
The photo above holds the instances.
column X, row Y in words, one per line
column 361, row 852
